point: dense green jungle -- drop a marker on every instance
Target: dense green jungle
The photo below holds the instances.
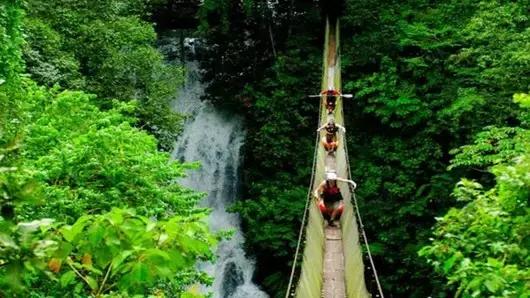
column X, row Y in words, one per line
column 438, row 132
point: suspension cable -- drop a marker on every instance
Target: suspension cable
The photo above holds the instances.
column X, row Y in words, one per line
column 361, row 225
column 301, row 232
column 376, row 276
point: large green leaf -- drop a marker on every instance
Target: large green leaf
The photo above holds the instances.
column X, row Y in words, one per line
column 67, row 278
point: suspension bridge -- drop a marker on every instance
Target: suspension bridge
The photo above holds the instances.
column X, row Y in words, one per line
column 333, row 264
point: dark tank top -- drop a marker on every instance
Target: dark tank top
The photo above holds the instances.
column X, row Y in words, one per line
column 332, row 194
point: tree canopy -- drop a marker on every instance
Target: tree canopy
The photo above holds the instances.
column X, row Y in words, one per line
column 88, row 204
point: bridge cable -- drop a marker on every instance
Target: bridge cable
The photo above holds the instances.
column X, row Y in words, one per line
column 361, row 225
column 309, row 191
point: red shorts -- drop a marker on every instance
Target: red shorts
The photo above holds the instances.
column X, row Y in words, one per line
column 330, row 146
column 327, row 210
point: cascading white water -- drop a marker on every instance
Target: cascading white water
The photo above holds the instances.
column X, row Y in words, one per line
column 215, row 139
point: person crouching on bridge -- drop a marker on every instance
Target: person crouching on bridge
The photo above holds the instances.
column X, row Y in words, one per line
column 330, row 102
column 330, row 142
column 329, row 197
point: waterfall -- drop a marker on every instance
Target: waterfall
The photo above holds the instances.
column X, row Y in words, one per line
column 215, row 139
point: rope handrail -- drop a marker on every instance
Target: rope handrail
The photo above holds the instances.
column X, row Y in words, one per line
column 359, row 219
column 308, row 200
column 365, row 238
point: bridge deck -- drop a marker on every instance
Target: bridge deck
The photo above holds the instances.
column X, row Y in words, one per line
column 333, row 286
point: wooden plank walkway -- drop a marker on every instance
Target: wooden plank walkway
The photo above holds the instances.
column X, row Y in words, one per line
column 333, row 286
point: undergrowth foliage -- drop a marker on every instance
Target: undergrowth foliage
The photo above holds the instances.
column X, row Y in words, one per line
column 482, row 248
column 89, row 207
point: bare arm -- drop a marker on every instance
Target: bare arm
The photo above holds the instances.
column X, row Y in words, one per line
column 322, row 127
column 318, row 190
column 348, row 181
column 315, row 193
column 341, row 127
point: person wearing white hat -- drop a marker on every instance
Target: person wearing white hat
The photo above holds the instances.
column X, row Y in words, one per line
column 329, row 197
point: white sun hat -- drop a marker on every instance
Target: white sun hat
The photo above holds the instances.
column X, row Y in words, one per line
column 331, row 176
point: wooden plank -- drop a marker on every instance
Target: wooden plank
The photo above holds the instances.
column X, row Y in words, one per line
column 333, row 286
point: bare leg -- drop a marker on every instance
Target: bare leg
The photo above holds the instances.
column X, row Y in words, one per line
column 337, row 210
column 334, row 146
column 334, row 214
column 327, row 146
